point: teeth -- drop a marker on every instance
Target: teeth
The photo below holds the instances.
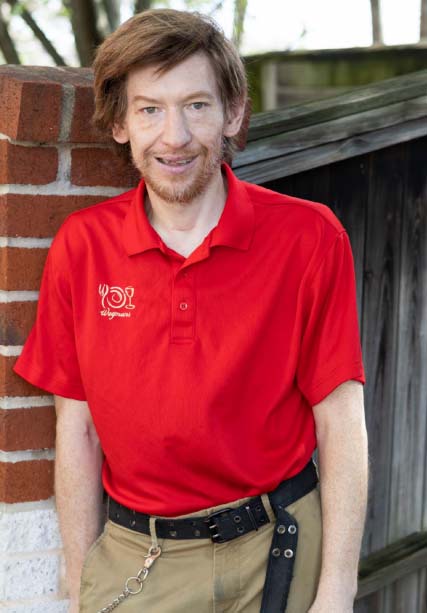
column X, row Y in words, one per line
column 177, row 163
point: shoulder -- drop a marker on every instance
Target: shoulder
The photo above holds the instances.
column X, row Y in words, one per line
column 89, row 230
column 94, row 220
column 288, row 221
column 277, row 205
column 97, row 214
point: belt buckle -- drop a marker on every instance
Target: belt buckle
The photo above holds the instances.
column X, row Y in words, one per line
column 216, row 538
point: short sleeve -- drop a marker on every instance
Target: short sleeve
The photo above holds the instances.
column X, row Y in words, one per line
column 49, row 358
column 330, row 345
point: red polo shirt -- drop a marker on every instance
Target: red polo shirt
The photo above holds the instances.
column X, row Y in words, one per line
column 200, row 372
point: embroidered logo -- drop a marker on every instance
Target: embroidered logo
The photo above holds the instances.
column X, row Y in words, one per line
column 115, row 298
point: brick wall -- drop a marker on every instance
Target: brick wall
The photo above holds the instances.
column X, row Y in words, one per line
column 51, row 163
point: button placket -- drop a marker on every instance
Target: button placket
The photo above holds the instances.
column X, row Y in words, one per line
column 183, row 306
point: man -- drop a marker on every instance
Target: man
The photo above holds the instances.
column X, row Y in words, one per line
column 200, row 336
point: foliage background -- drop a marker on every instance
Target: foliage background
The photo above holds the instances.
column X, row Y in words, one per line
column 67, row 31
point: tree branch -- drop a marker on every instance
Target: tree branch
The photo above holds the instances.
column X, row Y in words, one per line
column 142, row 5
column 41, row 36
column 240, row 7
column 218, row 6
column 423, row 22
column 85, row 28
column 377, row 34
column 7, row 46
column 112, row 10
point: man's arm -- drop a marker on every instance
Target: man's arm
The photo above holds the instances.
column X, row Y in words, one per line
column 343, row 467
column 78, row 486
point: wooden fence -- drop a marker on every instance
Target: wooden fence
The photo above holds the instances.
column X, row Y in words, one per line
column 365, row 155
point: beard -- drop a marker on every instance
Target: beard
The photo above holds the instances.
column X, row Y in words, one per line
column 182, row 189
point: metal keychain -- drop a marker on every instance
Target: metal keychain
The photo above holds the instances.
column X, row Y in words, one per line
column 134, row 585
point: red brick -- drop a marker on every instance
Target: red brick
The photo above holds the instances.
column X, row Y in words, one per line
column 12, row 384
column 101, row 166
column 27, row 428
column 29, row 110
column 31, row 99
column 16, row 320
column 34, row 165
column 82, row 128
column 26, row 481
column 38, row 216
column 21, row 269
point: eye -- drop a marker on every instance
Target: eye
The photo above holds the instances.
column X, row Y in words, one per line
column 197, row 106
column 149, row 110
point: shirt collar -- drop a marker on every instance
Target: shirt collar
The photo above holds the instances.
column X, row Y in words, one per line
column 234, row 229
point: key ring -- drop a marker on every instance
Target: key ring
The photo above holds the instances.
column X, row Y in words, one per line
column 139, row 581
column 129, row 590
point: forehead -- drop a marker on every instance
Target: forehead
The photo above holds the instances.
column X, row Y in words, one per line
column 193, row 74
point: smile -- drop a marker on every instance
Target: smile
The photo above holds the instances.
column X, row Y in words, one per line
column 176, row 162
column 176, row 166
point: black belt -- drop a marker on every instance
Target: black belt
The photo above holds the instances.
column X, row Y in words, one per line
column 224, row 525
column 228, row 524
column 283, row 546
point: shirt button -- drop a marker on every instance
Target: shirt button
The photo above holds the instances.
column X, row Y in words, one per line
column 183, row 306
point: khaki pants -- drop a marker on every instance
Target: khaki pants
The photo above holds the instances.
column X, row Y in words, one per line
column 198, row 576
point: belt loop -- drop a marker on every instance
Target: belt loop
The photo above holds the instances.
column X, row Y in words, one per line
column 268, row 508
column 153, row 534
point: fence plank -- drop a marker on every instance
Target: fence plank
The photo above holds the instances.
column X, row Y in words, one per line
column 388, row 231
column 380, row 320
column 360, row 123
column 349, row 189
column 422, row 591
column 324, row 154
column 374, row 95
column 394, row 561
column 410, row 418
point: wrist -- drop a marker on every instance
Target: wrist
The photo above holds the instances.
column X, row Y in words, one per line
column 340, row 586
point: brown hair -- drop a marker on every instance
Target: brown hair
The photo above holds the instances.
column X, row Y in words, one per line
column 165, row 37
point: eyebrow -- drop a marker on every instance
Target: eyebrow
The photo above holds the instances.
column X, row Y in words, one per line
column 198, row 94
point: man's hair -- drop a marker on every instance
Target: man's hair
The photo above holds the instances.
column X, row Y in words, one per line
column 163, row 37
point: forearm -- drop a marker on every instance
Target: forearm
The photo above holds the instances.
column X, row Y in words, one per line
column 343, row 485
column 343, row 467
column 78, row 491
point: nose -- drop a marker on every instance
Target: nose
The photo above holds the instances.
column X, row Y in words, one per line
column 176, row 132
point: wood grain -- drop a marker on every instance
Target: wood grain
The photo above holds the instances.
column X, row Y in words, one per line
column 359, row 99
column 364, row 154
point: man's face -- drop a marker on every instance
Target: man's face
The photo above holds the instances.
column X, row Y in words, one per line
column 175, row 125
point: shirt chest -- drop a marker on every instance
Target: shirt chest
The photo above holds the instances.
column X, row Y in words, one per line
column 127, row 304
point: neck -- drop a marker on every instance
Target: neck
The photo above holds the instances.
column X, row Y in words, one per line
column 182, row 226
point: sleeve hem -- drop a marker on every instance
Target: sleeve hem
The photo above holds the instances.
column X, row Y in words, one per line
column 347, row 372
column 50, row 385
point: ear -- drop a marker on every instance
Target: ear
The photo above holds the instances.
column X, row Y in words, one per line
column 120, row 133
column 234, row 119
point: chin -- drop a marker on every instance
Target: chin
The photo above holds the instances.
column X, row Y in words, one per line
column 178, row 194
